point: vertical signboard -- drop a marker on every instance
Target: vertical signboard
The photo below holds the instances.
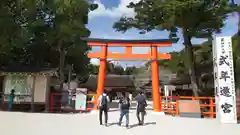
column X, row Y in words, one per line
column 215, row 75
column 224, row 80
column 81, row 99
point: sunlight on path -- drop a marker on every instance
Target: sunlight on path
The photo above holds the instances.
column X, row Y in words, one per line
column 77, row 124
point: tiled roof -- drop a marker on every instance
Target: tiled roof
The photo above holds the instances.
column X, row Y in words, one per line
column 18, row 69
column 111, row 81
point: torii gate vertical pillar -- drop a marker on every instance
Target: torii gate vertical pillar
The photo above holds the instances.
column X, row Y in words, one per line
column 101, row 74
column 155, row 81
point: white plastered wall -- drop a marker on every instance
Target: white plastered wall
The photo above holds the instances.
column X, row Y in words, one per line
column 40, row 88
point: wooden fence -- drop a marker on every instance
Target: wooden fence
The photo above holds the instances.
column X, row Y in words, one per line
column 207, row 105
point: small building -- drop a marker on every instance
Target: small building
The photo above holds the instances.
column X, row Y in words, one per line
column 184, row 87
column 31, row 87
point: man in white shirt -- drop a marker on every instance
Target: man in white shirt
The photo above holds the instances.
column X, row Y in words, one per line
column 103, row 101
column 130, row 97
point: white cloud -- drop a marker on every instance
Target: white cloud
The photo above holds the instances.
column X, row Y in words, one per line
column 94, row 61
column 115, row 12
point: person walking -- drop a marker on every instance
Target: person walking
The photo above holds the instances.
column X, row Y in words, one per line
column 141, row 107
column 130, row 97
column 103, row 101
column 124, row 109
column 11, row 99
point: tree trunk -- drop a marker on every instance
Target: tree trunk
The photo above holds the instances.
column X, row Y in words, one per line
column 61, row 65
column 238, row 34
column 191, row 63
column 237, row 78
column 33, row 93
column 69, row 83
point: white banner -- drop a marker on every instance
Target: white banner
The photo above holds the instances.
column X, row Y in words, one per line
column 81, row 99
column 215, row 69
column 224, row 80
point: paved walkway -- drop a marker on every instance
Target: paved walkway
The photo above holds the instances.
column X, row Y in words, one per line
column 77, row 124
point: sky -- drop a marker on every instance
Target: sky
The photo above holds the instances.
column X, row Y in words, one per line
column 102, row 19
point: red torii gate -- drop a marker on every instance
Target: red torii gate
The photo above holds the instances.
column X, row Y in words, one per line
column 154, row 55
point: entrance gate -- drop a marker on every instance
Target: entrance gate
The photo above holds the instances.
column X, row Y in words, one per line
column 153, row 55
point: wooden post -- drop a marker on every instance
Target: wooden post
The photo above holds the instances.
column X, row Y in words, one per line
column 101, row 74
column 33, row 92
column 211, row 108
column 70, row 92
column 51, row 106
column 157, row 103
column 47, row 95
column 177, row 108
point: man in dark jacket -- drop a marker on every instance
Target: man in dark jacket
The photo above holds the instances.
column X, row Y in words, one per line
column 124, row 108
column 141, row 107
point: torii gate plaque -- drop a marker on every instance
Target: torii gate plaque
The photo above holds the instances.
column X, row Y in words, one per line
column 103, row 54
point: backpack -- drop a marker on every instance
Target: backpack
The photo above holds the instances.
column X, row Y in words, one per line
column 125, row 103
column 142, row 103
column 104, row 100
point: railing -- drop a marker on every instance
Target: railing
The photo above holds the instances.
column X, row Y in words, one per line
column 171, row 107
column 59, row 102
column 207, row 105
column 238, row 107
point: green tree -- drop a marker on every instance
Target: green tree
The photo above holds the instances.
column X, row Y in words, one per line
column 119, row 70
column 130, row 70
column 93, row 69
column 204, row 66
column 45, row 33
column 194, row 18
column 111, row 69
column 12, row 29
column 66, row 20
column 238, row 12
column 236, row 57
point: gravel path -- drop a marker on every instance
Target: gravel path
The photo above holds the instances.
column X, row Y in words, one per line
column 77, row 124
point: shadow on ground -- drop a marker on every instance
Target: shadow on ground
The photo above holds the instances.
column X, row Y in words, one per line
column 114, row 106
column 134, row 125
column 145, row 124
